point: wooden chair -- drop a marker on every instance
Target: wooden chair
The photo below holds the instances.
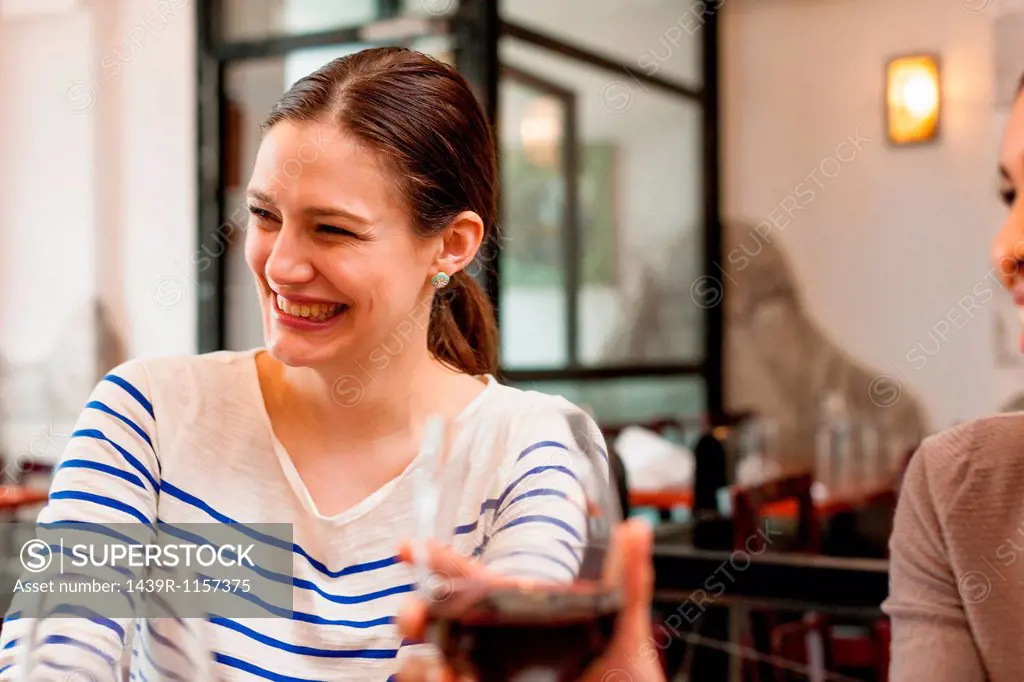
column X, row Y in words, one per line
column 813, row 640
column 749, row 503
column 792, row 641
column 748, row 506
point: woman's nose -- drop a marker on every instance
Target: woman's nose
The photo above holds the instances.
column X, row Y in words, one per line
column 1008, row 246
column 289, row 262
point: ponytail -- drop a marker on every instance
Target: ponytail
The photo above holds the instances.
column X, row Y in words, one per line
column 463, row 332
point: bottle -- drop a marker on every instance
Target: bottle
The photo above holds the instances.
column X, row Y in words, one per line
column 832, row 447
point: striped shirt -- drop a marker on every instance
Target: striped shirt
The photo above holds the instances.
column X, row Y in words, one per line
column 188, row 440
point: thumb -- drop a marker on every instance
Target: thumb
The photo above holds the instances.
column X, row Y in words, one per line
column 636, row 544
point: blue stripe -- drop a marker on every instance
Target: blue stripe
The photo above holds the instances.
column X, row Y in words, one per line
column 6, row 667
column 556, row 444
column 93, row 527
column 129, row 457
column 238, row 663
column 97, row 405
column 303, row 650
column 11, row 617
column 538, row 492
column 531, row 472
column 571, row 550
column 12, row 643
column 188, row 498
column 468, row 528
column 62, row 639
column 98, row 466
column 132, row 391
column 523, row 552
column 355, row 599
column 101, row 500
column 542, row 444
column 312, row 618
column 287, row 579
column 61, row 666
column 86, row 612
column 336, row 598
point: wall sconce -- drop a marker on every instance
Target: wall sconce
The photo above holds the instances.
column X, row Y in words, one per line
column 913, row 99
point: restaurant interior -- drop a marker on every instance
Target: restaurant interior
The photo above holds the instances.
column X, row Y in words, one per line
column 750, row 237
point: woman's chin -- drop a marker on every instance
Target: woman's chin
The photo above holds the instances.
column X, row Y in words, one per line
column 293, row 354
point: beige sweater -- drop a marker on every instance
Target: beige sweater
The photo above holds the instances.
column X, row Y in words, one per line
column 957, row 570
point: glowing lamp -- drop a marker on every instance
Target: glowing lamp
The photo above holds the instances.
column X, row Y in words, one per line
column 913, row 99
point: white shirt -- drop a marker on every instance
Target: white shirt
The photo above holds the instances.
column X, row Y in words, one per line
column 188, row 440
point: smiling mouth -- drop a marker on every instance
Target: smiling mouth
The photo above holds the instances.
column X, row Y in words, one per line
column 313, row 312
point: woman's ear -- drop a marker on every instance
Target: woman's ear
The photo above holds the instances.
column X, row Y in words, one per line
column 460, row 242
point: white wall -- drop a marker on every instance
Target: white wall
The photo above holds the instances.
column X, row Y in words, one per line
column 898, row 237
column 97, row 190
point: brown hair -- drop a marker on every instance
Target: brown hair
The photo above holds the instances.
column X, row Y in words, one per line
column 420, row 115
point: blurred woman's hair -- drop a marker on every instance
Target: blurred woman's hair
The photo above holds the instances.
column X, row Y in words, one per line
column 423, row 120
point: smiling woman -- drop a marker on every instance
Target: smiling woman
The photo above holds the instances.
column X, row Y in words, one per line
column 955, row 575
column 375, row 176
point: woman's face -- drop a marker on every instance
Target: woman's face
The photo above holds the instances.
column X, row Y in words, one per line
column 1008, row 248
column 331, row 246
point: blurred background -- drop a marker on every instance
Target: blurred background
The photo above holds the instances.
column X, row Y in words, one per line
column 760, row 226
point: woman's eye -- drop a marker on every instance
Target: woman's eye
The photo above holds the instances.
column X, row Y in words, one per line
column 1009, row 195
column 331, row 229
column 261, row 213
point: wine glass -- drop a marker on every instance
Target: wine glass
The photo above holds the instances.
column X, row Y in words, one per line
column 532, row 593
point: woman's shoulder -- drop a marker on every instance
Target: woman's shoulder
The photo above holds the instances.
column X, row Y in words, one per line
column 997, row 437
column 531, row 420
column 978, row 460
column 217, row 364
column 526, row 406
column 182, row 383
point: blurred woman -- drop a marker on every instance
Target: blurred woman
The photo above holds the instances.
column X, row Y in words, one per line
column 957, row 567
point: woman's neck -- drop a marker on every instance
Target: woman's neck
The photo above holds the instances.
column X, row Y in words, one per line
column 365, row 400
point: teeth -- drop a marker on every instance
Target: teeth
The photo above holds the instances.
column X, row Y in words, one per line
column 318, row 312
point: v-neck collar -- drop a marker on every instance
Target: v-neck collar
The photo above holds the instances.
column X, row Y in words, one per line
column 294, row 479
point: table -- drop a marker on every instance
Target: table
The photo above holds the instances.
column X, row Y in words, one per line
column 799, row 581
column 688, row 581
column 843, row 501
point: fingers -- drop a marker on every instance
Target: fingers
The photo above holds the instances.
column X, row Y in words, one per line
column 412, row 619
column 439, row 558
column 637, row 582
column 638, row 542
column 421, row 669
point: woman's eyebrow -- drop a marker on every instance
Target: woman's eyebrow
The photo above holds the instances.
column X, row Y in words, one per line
column 335, row 211
column 260, row 195
column 311, row 211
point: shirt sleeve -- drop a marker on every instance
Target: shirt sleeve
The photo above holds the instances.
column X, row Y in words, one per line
column 931, row 639
column 108, row 474
column 541, row 528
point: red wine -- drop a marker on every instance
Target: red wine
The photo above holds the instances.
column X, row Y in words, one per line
column 547, row 634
